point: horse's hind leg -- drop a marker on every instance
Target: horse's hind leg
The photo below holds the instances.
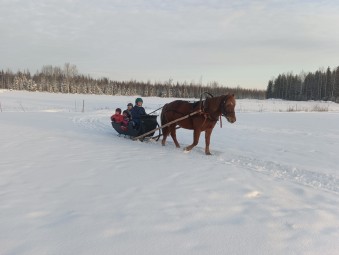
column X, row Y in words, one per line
column 165, row 133
column 174, row 135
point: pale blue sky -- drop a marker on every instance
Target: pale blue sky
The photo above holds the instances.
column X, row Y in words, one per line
column 243, row 43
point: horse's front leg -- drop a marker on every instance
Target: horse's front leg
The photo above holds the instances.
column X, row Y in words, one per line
column 196, row 136
column 208, row 133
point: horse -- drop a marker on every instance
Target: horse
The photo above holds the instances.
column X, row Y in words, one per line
column 209, row 111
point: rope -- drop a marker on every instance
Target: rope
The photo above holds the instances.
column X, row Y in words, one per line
column 155, row 110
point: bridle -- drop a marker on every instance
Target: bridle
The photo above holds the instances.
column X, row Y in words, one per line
column 222, row 108
column 220, row 111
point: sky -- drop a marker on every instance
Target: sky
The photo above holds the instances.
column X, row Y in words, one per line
column 234, row 43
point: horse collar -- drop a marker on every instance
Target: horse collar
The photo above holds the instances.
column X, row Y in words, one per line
column 222, row 108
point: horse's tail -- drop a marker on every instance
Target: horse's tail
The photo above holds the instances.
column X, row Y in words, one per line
column 163, row 115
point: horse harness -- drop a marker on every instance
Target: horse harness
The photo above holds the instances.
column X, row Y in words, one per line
column 204, row 110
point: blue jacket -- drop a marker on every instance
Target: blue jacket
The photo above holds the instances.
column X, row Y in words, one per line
column 137, row 111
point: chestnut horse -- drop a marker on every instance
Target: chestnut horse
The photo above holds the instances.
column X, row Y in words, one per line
column 210, row 111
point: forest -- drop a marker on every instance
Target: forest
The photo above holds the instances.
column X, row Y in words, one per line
column 67, row 79
column 319, row 85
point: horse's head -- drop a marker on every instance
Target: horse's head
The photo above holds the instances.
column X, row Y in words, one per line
column 227, row 108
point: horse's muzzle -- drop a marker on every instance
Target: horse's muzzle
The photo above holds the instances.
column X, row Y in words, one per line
column 231, row 119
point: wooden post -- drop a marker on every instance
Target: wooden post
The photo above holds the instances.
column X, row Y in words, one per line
column 23, row 109
column 167, row 124
column 83, row 105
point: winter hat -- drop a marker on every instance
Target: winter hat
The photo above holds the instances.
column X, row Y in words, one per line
column 118, row 110
column 126, row 112
column 139, row 99
column 130, row 104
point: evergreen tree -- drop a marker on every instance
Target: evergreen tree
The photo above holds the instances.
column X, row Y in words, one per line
column 269, row 90
column 336, row 85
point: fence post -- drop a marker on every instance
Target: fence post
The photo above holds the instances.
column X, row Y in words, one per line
column 23, row 109
column 83, row 105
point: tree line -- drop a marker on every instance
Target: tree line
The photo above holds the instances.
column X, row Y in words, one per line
column 320, row 85
column 68, row 80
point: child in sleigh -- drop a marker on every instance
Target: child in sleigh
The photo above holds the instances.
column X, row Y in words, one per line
column 117, row 117
column 126, row 118
column 121, row 118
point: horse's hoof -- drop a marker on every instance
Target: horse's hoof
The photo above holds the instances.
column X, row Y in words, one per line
column 208, row 153
column 187, row 150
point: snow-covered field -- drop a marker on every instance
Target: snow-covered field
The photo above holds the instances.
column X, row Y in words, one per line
column 70, row 185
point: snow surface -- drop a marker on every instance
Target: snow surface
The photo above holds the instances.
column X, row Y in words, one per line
column 70, row 185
